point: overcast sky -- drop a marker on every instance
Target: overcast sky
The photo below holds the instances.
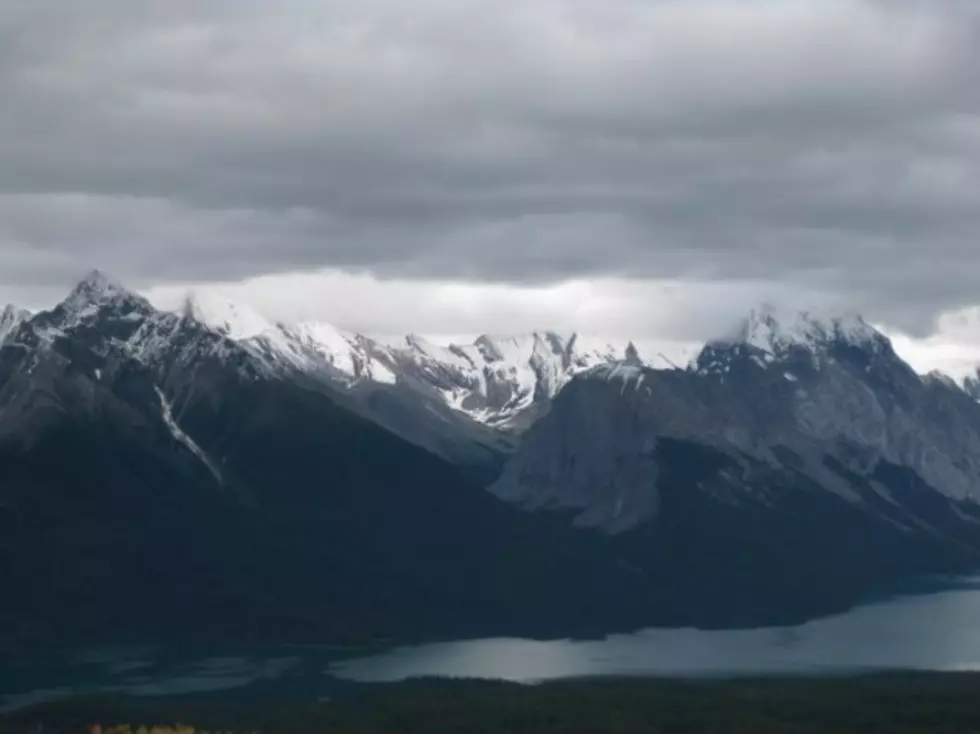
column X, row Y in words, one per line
column 643, row 168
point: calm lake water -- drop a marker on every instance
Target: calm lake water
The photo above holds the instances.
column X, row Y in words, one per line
column 937, row 631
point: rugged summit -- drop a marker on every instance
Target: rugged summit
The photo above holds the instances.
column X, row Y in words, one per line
column 777, row 333
column 168, row 477
column 504, row 382
column 788, row 395
column 813, row 424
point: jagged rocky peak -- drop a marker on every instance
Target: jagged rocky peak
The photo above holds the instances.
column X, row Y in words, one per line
column 97, row 281
column 420, row 344
column 520, row 348
column 632, row 355
column 777, row 332
column 11, row 312
column 10, row 318
column 96, row 291
column 13, row 315
column 96, row 286
column 940, row 378
column 505, row 380
column 95, row 298
column 774, row 336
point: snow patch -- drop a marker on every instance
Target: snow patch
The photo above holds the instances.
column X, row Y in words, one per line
column 168, row 418
column 381, row 374
column 225, row 316
column 773, row 331
column 618, row 371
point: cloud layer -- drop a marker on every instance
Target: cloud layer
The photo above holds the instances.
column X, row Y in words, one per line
column 819, row 148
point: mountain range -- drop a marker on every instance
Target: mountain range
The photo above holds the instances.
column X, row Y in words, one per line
column 210, row 474
column 499, row 381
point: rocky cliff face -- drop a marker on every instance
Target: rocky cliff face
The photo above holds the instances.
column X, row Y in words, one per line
column 824, row 398
column 791, row 467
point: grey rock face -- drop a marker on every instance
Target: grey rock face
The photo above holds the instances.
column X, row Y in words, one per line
column 971, row 386
column 829, row 400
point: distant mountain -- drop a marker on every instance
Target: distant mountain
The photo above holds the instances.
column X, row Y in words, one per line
column 162, row 480
column 799, row 458
column 505, row 382
column 466, row 403
column 473, row 400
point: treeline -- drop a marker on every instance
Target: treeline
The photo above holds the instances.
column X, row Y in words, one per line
column 900, row 704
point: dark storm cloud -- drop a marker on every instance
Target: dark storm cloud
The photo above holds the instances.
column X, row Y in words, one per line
column 833, row 144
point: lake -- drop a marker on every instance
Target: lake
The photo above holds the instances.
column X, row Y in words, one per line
column 938, row 631
column 935, row 632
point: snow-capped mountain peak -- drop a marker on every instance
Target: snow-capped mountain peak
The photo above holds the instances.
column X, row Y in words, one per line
column 775, row 331
column 225, row 316
column 505, row 381
column 354, row 357
column 309, row 347
column 94, row 297
column 770, row 336
column 98, row 281
column 499, row 380
column 98, row 289
column 518, row 348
